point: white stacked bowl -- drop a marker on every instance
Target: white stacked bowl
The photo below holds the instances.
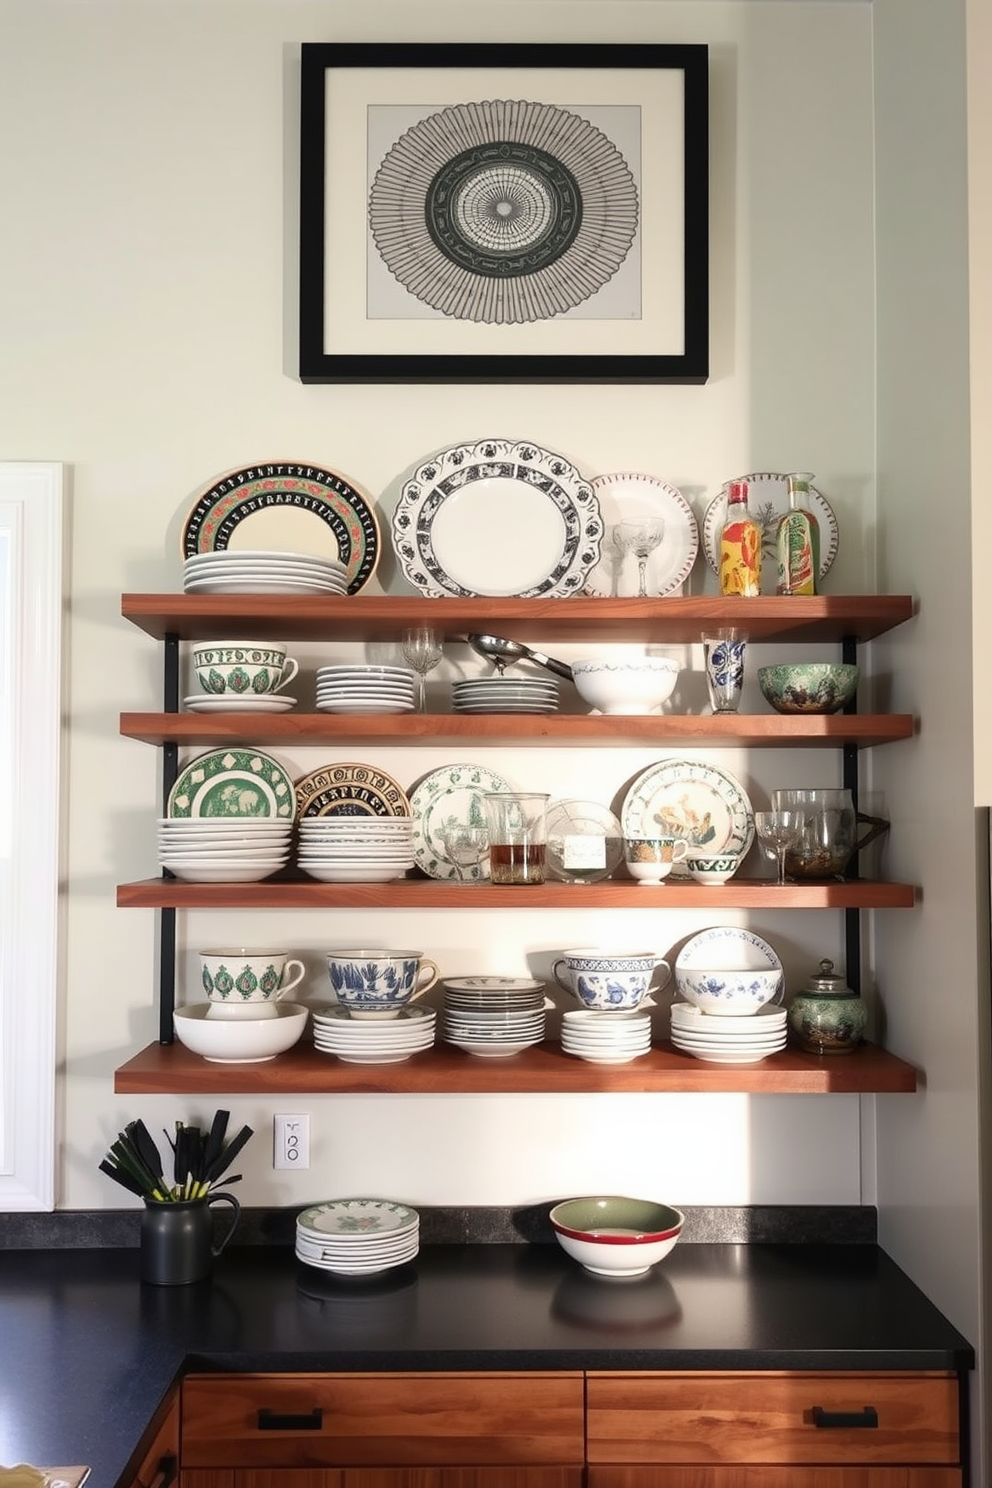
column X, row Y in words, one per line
column 356, row 849
column 365, row 689
column 228, row 850
column 719, row 1039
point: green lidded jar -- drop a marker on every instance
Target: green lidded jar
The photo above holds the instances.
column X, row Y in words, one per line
column 827, row 1017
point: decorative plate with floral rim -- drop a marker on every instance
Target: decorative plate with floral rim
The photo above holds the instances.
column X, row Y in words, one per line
column 349, row 789
column 686, row 798
column 357, row 1217
column 448, row 798
column 232, row 783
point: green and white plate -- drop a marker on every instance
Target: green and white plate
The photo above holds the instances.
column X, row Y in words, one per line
column 450, row 797
column 233, row 783
column 356, row 1218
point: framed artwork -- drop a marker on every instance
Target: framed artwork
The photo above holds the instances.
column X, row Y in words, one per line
column 504, row 213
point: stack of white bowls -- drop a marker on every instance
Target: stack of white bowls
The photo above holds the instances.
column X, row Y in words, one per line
column 606, row 1038
column 494, row 1017
column 367, row 1040
column 356, row 849
column 505, row 695
column 242, row 571
column 357, row 1237
column 365, row 689
column 241, row 849
column 727, row 1039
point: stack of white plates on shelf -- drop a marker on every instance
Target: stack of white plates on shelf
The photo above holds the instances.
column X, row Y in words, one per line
column 725, row 1039
column 357, row 1237
column 606, row 1037
column 494, row 1017
column 215, row 850
column 505, row 695
column 365, row 689
column 356, row 849
column 243, row 571
column 378, row 1040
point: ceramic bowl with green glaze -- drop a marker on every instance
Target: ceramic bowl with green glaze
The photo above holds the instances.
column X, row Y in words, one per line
column 809, row 687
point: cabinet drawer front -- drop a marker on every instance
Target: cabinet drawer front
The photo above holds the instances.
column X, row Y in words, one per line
column 378, row 1419
column 767, row 1417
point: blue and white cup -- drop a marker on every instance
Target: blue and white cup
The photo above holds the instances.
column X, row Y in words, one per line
column 724, row 654
column 377, row 983
column 606, row 980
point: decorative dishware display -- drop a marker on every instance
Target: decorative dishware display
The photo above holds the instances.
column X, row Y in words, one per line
column 778, row 831
column 829, row 837
column 291, row 505
column 614, row 1235
column 827, row 1016
column 732, row 994
column 263, row 573
column 355, row 849
column 226, row 783
column 242, row 978
column 379, row 982
column 629, row 499
column 504, row 695
column 493, row 1021
column 651, row 859
column 365, row 689
column 810, row 686
column 452, row 796
column 638, row 540
column 347, row 788
column 517, row 822
column 769, row 500
column 373, row 1040
column 724, row 657
column 242, row 668
column 719, row 1039
column 601, row 979
column 625, row 684
column 239, row 1040
column 687, row 798
column 585, row 841
column 503, row 653
column 422, row 649
column 357, row 1236
column 713, row 870
column 615, row 1037
column 497, row 518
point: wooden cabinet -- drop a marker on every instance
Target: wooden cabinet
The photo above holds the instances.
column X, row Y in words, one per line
column 158, row 1466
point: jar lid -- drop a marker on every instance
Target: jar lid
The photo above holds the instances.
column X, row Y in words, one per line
column 828, row 984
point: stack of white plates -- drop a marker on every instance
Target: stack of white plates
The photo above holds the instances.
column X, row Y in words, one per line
column 243, row 571
column 505, row 695
column 385, row 1040
column 721, row 1039
column 493, row 1017
column 606, row 1037
column 230, row 850
column 357, row 1237
column 356, row 849
column 365, row 689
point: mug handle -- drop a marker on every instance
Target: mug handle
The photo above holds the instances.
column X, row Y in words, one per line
column 565, row 986
column 876, row 824
column 433, row 972
column 299, row 972
column 290, row 667
column 668, row 972
column 235, row 1215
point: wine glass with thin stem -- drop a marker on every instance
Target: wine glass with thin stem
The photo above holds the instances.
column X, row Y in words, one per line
column 466, row 845
column 422, row 650
column 779, row 830
column 641, row 539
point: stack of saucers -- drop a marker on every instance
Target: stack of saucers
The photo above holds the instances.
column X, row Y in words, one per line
column 357, row 1237
column 493, row 1017
column 725, row 1039
column 243, row 571
column 365, row 689
column 505, row 695
column 216, row 850
column 386, row 1040
column 356, row 849
column 606, row 1038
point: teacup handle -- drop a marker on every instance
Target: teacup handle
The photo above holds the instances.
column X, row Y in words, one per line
column 680, row 850
column 565, row 986
column 290, row 667
column 235, row 1215
column 424, row 984
column 663, row 963
column 295, row 971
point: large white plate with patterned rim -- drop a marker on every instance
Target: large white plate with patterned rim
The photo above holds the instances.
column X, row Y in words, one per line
column 286, row 505
column 729, row 948
column 450, row 797
column 349, row 789
column 631, row 497
column 768, row 498
column 231, row 783
column 686, row 798
column 356, row 1218
column 500, row 517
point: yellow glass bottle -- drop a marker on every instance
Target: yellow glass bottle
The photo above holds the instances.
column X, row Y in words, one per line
column 797, row 541
column 740, row 545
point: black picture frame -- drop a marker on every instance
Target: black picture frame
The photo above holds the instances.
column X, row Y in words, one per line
column 359, row 322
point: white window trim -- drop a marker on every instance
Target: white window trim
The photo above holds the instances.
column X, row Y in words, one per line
column 31, row 620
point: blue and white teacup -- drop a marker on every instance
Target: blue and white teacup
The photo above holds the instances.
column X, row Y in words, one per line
column 606, row 980
column 377, row 983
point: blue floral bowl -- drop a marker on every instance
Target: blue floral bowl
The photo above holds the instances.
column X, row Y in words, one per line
column 731, row 993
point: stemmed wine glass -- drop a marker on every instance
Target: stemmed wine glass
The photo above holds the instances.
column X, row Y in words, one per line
column 641, row 539
column 779, row 830
column 422, row 650
column 466, row 846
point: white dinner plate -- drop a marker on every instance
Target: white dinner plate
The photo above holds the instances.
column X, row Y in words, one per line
column 629, row 497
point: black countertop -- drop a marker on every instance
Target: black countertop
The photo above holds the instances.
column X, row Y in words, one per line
column 87, row 1351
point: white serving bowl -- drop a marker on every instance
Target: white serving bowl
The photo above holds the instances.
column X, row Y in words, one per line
column 732, row 993
column 627, row 685
column 616, row 1236
column 239, row 1040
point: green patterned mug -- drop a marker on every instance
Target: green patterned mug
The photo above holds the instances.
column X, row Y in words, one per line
column 241, row 982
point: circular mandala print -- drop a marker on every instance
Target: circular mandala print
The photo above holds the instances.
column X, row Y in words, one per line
column 503, row 212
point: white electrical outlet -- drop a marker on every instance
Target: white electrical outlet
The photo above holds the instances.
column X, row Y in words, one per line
column 291, row 1142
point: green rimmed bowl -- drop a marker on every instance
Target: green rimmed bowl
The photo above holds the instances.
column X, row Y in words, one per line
column 809, row 687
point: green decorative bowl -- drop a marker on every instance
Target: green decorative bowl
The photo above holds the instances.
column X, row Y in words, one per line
column 809, row 687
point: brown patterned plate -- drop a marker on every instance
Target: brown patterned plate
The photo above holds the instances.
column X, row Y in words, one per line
column 350, row 789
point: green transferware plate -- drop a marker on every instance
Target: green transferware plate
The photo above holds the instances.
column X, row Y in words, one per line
column 233, row 783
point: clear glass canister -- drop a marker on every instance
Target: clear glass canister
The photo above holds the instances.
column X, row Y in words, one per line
column 827, row 1017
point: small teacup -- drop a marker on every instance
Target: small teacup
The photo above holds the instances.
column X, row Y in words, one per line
column 713, row 870
column 377, row 983
column 245, row 983
column 232, row 668
column 609, row 979
column 651, row 859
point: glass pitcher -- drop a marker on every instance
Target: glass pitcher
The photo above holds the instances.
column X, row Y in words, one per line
column 829, row 837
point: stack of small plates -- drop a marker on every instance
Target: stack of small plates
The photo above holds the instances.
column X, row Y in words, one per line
column 721, row 1039
column 356, row 849
column 386, row 1040
column 365, row 689
column 606, row 1037
column 505, row 695
column 232, row 850
column 357, row 1237
column 242, row 571
column 493, row 1017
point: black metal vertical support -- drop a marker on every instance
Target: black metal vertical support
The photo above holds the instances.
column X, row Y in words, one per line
column 167, row 919
column 852, row 917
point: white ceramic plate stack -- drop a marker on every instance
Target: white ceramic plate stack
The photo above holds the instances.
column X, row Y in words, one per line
column 606, row 1038
column 357, row 1237
column 236, row 850
column 719, row 1039
column 249, row 571
column 373, row 1040
column 365, row 689
column 356, row 849
column 494, row 1017
column 505, row 695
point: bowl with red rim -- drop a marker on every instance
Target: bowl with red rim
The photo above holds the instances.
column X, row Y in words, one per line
column 611, row 1235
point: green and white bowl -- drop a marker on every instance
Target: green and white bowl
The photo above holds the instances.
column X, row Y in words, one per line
column 808, row 687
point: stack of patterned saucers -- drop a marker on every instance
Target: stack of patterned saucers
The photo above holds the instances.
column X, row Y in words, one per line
column 373, row 1040
column 725, row 1039
column 242, row 571
column 365, row 689
column 356, row 849
column 357, row 1237
column 606, row 1038
column 493, row 1017
column 223, row 850
column 505, row 695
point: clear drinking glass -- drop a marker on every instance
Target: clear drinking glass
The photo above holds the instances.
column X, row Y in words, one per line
column 466, row 846
column 422, row 650
column 641, row 539
column 779, row 830
column 517, row 836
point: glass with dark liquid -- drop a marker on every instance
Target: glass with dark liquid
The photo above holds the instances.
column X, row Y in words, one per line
column 517, row 836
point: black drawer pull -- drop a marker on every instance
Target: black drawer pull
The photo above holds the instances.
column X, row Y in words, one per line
column 165, row 1473
column 270, row 1420
column 867, row 1417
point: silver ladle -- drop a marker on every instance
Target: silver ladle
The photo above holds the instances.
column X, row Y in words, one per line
column 502, row 652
